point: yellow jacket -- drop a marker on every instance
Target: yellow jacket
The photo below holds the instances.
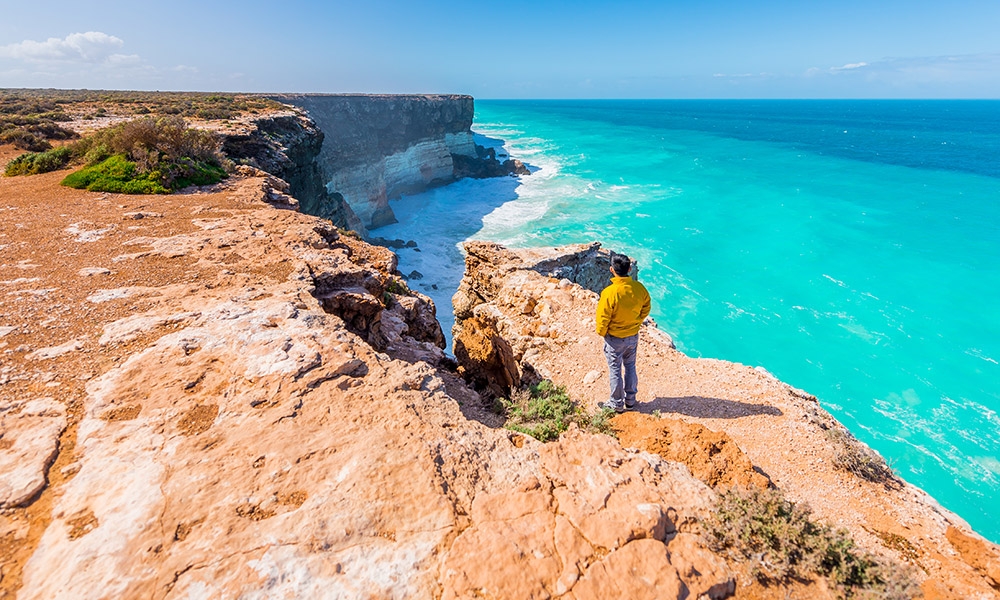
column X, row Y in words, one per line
column 623, row 306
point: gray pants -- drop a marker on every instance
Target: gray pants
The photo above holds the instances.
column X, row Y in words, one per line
column 620, row 353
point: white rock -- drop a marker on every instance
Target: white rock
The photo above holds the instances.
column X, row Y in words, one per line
column 33, row 435
column 91, row 271
column 129, row 328
column 54, row 351
column 116, row 294
column 591, row 377
column 86, row 235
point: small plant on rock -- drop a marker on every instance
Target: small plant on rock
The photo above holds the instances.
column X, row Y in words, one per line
column 545, row 410
column 395, row 286
column 855, row 457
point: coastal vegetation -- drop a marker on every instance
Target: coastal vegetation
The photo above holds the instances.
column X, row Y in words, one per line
column 781, row 542
column 147, row 155
column 545, row 410
column 33, row 163
column 855, row 457
column 32, row 119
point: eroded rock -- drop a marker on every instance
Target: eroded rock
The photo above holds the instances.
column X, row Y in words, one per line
column 29, row 440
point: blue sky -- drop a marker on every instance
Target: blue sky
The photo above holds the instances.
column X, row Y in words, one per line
column 581, row 49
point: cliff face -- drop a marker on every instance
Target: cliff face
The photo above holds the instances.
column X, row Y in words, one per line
column 288, row 146
column 378, row 147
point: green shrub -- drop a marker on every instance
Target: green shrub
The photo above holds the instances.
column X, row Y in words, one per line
column 214, row 114
column 116, row 174
column 179, row 155
column 395, row 286
column 782, row 543
column 545, row 410
column 32, row 163
column 185, row 171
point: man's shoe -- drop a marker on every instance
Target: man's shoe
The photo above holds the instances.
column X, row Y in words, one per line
column 611, row 405
column 630, row 406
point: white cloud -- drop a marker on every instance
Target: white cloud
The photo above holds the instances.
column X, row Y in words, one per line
column 850, row 66
column 90, row 47
column 90, row 59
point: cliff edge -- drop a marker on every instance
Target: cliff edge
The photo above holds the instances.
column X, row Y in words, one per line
column 213, row 394
column 525, row 315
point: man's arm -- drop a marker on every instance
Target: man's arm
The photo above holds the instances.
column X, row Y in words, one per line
column 605, row 309
column 645, row 307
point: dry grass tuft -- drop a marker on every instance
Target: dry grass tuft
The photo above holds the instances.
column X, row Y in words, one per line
column 783, row 543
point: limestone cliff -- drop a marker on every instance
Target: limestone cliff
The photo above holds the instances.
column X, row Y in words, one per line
column 376, row 148
column 288, row 146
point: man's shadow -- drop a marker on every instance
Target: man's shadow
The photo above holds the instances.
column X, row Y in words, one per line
column 706, row 408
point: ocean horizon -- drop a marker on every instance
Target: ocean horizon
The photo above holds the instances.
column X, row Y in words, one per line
column 850, row 247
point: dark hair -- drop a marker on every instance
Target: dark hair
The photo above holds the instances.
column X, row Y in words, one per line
column 621, row 263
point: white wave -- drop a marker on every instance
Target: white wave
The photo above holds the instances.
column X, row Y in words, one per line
column 976, row 352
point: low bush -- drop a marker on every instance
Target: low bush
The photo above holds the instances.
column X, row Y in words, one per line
column 214, row 114
column 24, row 140
column 855, row 457
column 164, row 151
column 782, row 543
column 32, row 163
column 116, row 174
column 545, row 410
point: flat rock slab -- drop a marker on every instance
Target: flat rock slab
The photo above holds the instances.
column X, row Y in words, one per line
column 54, row 351
column 29, row 438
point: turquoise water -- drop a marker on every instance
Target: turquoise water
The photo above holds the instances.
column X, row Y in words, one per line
column 852, row 248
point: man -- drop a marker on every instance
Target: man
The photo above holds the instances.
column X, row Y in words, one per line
column 623, row 306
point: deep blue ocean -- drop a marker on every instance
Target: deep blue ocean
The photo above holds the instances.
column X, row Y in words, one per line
column 852, row 248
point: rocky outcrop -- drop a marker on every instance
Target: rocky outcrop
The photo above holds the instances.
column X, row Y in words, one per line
column 288, row 147
column 485, row 164
column 527, row 314
column 491, row 350
column 376, row 148
column 248, row 402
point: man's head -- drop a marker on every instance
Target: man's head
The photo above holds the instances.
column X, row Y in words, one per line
column 620, row 264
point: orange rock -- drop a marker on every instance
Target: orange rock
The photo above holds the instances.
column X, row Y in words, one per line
column 713, row 457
